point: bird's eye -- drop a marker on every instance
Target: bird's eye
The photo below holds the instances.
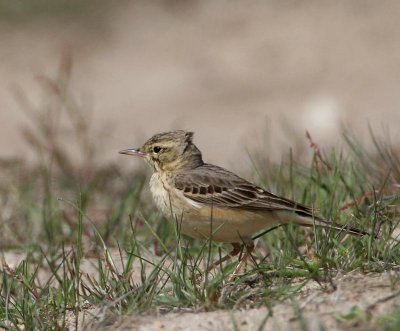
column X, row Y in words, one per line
column 156, row 149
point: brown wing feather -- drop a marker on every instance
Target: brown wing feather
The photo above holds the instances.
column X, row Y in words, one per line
column 215, row 186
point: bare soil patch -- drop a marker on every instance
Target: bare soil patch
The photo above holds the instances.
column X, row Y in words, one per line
column 357, row 303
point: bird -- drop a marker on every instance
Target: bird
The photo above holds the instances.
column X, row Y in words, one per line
column 213, row 203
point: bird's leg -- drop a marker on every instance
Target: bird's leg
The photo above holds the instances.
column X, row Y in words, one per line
column 235, row 251
column 242, row 261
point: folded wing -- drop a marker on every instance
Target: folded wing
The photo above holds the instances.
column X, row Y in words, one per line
column 215, row 186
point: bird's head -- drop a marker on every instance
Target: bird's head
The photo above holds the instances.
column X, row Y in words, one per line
column 169, row 151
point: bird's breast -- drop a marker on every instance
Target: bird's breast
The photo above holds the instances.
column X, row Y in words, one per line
column 160, row 191
column 169, row 200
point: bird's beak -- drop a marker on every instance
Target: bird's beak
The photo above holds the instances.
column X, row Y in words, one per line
column 132, row 151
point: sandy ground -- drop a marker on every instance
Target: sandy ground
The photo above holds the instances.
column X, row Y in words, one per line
column 357, row 303
column 365, row 295
column 239, row 75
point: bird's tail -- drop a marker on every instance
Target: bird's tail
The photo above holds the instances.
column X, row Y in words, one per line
column 311, row 221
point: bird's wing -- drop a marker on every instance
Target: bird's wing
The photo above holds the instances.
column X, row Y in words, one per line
column 217, row 187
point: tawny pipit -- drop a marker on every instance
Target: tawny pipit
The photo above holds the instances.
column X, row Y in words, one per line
column 211, row 202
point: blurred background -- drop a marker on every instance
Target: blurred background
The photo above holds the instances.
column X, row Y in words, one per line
column 244, row 76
